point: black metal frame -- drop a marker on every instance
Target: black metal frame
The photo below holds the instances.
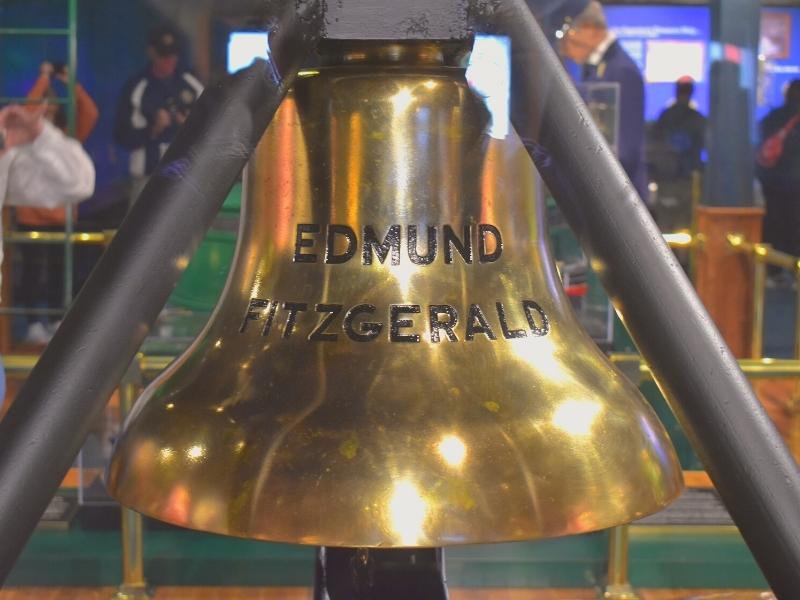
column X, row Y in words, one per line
column 746, row 458
column 752, row 469
column 47, row 424
column 373, row 574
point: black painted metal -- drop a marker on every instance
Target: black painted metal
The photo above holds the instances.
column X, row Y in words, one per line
column 380, row 574
column 731, row 167
column 406, row 20
column 745, row 456
column 750, row 465
column 47, row 424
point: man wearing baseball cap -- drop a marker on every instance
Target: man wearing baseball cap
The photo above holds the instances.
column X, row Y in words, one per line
column 553, row 15
column 585, row 38
column 155, row 103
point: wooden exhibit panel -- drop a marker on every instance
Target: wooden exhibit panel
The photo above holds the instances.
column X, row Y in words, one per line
column 724, row 277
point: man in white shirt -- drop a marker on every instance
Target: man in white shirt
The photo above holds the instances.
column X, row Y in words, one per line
column 39, row 166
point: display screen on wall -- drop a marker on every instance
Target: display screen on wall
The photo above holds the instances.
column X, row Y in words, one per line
column 667, row 43
column 779, row 55
column 246, row 46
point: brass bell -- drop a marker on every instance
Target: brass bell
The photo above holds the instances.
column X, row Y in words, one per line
column 393, row 362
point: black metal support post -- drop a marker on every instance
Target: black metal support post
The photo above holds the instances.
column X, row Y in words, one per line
column 47, row 424
column 744, row 454
column 380, row 574
column 736, row 34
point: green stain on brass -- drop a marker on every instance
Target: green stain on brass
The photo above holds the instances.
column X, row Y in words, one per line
column 349, row 448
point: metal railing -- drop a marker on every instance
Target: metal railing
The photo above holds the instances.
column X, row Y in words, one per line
column 78, row 238
column 762, row 256
column 618, row 586
column 56, row 238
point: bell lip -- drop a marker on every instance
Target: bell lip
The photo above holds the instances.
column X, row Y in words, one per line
column 388, row 52
column 679, row 482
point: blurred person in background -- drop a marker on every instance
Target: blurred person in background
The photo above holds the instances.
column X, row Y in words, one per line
column 154, row 104
column 684, row 129
column 554, row 14
column 586, row 39
column 680, row 134
column 39, row 165
column 778, row 162
column 42, row 282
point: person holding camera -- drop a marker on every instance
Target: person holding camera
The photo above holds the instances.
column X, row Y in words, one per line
column 51, row 85
column 39, row 165
column 155, row 103
column 41, row 283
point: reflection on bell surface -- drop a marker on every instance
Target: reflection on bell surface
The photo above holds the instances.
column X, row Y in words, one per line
column 393, row 361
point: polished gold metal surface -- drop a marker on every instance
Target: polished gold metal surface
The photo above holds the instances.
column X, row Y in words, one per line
column 58, row 237
column 426, row 392
column 618, row 585
column 134, row 584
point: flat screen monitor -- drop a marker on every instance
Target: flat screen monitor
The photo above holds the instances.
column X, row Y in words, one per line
column 779, row 55
column 667, row 43
column 246, row 46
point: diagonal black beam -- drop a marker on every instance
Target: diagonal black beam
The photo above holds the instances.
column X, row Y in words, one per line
column 745, row 456
column 47, row 424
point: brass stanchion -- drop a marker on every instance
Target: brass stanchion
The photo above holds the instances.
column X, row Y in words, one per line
column 760, row 251
column 134, row 585
column 794, row 407
column 694, row 227
column 618, row 586
column 763, row 255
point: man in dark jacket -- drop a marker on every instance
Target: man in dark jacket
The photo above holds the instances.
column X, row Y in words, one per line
column 677, row 144
column 683, row 129
column 780, row 181
column 586, row 39
column 155, row 103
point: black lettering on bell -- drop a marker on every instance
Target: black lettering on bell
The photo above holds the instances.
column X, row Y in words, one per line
column 390, row 242
column 368, row 331
column 254, row 310
column 319, row 335
column 331, row 258
column 301, row 242
column 293, row 308
column 464, row 248
column 436, row 310
column 536, row 330
column 397, row 324
column 509, row 334
column 273, row 308
column 477, row 323
column 412, row 246
column 483, row 252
